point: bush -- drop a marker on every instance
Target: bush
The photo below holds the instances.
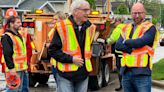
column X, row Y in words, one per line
column 158, row 70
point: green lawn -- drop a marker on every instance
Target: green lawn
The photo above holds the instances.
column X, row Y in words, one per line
column 158, row 70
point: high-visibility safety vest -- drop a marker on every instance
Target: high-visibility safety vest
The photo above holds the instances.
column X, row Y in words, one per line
column 19, row 55
column 71, row 46
column 115, row 36
column 51, row 33
column 140, row 57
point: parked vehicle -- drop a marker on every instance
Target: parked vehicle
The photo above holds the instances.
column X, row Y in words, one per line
column 161, row 42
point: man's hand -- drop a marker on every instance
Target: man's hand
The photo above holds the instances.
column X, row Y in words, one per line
column 78, row 61
column 12, row 72
column 100, row 40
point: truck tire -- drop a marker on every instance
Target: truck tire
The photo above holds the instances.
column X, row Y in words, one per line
column 106, row 74
column 96, row 82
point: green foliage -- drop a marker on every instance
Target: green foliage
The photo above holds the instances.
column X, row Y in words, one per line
column 92, row 4
column 162, row 15
column 158, row 70
column 155, row 20
column 121, row 9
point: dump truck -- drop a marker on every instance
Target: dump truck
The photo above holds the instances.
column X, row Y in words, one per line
column 39, row 25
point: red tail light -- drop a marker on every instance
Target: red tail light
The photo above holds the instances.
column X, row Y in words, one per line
column 100, row 27
column 31, row 24
column 24, row 24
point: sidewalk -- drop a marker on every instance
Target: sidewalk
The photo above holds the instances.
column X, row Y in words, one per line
column 159, row 83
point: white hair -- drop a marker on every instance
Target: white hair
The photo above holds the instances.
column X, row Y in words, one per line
column 76, row 4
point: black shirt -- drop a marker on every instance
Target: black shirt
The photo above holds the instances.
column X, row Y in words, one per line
column 55, row 51
column 7, row 47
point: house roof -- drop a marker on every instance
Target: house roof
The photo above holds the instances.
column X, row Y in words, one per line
column 100, row 2
column 9, row 3
column 29, row 5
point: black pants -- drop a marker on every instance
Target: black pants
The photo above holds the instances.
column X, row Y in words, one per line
column 118, row 65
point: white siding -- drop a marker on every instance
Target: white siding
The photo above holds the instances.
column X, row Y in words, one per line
column 60, row 7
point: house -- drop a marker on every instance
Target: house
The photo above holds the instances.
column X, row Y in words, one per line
column 24, row 6
column 31, row 5
column 101, row 5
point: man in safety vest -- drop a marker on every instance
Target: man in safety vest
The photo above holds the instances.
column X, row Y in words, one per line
column 15, row 54
column 9, row 12
column 137, row 42
column 71, row 48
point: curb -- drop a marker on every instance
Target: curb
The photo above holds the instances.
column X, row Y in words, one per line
column 158, row 83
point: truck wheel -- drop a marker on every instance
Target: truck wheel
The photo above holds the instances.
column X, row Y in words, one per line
column 32, row 80
column 106, row 74
column 95, row 82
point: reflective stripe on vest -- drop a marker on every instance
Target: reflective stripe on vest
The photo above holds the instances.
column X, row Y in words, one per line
column 119, row 53
column 70, row 46
column 51, row 34
column 140, row 56
column 19, row 55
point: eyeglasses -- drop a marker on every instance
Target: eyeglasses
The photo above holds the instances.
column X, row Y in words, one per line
column 85, row 10
column 139, row 13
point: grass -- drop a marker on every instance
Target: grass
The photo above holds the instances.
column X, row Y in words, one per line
column 158, row 70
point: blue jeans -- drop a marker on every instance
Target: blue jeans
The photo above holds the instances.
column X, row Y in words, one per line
column 136, row 83
column 24, row 85
column 65, row 85
column 54, row 71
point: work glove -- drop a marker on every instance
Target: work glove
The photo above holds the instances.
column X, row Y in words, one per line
column 100, row 40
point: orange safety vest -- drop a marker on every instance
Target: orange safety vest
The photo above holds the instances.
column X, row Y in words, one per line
column 19, row 48
column 140, row 57
column 71, row 46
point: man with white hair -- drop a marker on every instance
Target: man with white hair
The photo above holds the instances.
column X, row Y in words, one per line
column 71, row 48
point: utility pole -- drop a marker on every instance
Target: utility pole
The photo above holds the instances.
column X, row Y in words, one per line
column 69, row 4
column 109, row 10
column 160, row 14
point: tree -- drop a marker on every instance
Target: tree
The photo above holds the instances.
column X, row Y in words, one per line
column 92, row 4
column 122, row 9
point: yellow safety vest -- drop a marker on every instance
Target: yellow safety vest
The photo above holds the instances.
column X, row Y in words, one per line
column 140, row 57
column 51, row 33
column 115, row 36
column 19, row 55
column 70, row 46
